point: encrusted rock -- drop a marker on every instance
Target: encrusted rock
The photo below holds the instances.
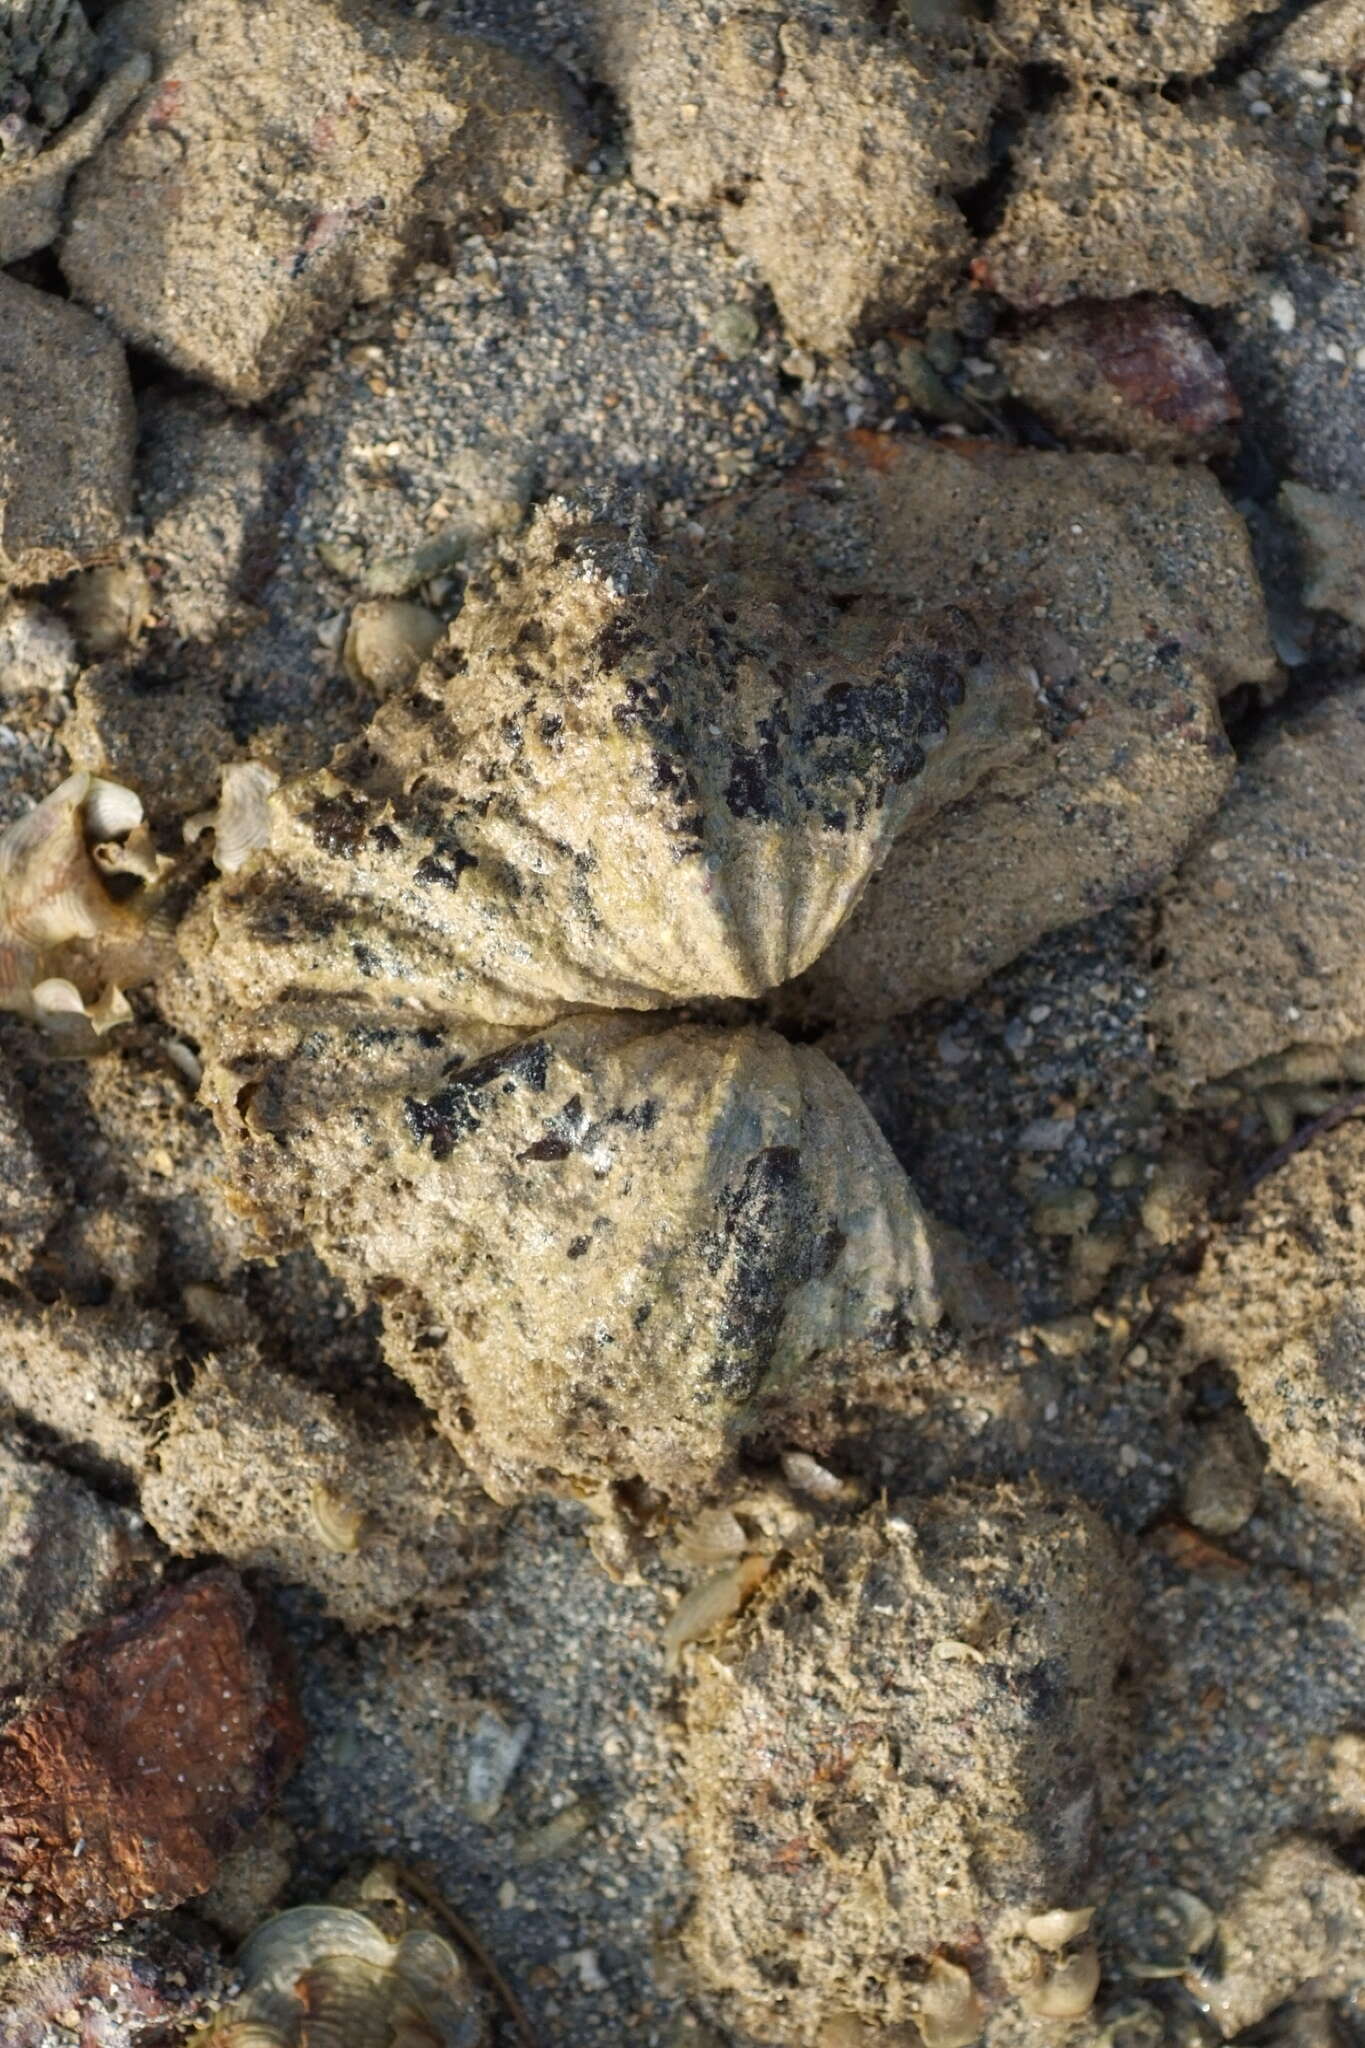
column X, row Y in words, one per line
column 1129, row 590
column 67, row 1560
column 899, row 1751
column 157, row 1740
column 94, row 1377
column 1131, row 373
column 66, row 453
column 37, row 653
column 282, row 164
column 210, row 494
column 379, row 1516
column 1190, row 198
column 1281, row 1300
column 832, row 148
column 1262, row 934
column 1298, row 1919
column 599, row 1249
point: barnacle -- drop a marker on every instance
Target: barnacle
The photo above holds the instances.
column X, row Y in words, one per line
column 66, row 943
column 329, row 1977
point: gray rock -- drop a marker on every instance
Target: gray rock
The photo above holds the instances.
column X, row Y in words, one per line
column 283, row 163
column 66, row 436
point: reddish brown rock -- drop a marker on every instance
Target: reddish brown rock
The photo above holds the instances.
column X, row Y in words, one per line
column 125, row 1993
column 1136, row 373
column 160, row 1738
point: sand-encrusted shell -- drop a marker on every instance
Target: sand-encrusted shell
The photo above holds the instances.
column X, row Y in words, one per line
column 328, row 1977
column 65, row 943
column 614, row 785
column 603, row 1248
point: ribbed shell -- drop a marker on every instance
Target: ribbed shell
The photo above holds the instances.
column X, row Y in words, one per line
column 615, row 786
column 327, row 1977
column 602, row 1247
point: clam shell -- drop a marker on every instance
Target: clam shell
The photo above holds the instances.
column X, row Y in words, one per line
column 601, row 1245
column 614, row 786
column 328, row 1977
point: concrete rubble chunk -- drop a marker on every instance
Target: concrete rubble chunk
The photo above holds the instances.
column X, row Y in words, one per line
column 283, row 163
column 1262, row 935
column 1190, row 199
column 164, row 1734
column 902, row 1747
column 1280, row 1300
column 67, row 428
column 380, row 1518
column 831, row 149
column 1130, row 591
column 67, row 1560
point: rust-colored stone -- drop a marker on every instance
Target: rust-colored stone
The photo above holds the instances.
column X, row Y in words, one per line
column 161, row 1737
column 1128, row 373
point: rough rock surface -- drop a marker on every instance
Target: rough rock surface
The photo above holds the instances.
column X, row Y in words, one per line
column 283, row 163
column 131, row 1991
column 377, row 1515
column 834, row 150
column 599, row 1249
column 1261, row 931
column 1127, row 587
column 900, row 1749
column 1297, row 1921
column 66, row 436
column 157, row 1740
column 28, row 1201
column 616, row 783
column 1188, row 199
column 1129, row 373
column 1113, row 39
column 1331, row 533
column 95, row 1377
column 1280, row 1299
column 67, row 1560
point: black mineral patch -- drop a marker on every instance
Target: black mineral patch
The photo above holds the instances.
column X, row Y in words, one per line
column 458, row 1109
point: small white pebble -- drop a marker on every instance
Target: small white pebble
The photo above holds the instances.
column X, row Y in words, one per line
column 1284, row 314
column 1259, row 110
column 1334, row 352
